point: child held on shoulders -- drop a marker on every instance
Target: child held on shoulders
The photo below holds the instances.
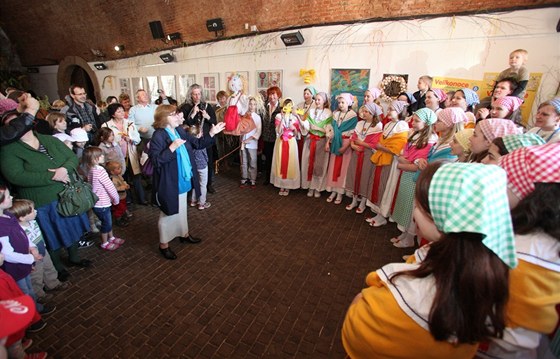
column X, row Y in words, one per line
column 518, row 71
column 119, row 210
column 44, row 277
column 107, row 193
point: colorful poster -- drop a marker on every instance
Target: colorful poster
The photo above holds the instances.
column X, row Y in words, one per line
column 354, row 81
column 532, row 88
column 210, row 83
column 266, row 79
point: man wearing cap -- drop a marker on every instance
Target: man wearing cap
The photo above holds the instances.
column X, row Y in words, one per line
column 79, row 113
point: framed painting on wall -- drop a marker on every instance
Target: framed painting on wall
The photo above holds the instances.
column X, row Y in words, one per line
column 266, row 79
column 137, row 84
column 168, row 85
column 244, row 75
column 124, row 85
column 183, row 84
column 354, row 81
column 210, row 86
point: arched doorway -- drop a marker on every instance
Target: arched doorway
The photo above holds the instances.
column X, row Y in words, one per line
column 75, row 70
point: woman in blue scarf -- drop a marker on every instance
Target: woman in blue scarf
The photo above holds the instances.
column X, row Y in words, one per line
column 175, row 174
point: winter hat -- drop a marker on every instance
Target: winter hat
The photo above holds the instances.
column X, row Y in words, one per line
column 15, row 314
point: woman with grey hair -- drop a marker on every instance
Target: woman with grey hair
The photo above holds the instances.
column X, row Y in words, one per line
column 200, row 116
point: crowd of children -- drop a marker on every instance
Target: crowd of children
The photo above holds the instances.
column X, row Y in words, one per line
column 446, row 167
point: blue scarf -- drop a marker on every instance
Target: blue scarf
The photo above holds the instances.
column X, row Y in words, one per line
column 337, row 137
column 183, row 163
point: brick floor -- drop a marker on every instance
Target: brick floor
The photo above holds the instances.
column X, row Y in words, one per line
column 277, row 286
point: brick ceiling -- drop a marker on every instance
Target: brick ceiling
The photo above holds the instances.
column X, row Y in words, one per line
column 45, row 32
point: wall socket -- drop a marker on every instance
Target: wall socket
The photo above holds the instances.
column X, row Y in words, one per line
column 246, row 26
column 254, row 28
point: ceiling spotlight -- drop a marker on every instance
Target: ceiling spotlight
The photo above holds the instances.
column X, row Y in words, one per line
column 119, row 48
column 167, row 57
column 100, row 66
column 174, row 36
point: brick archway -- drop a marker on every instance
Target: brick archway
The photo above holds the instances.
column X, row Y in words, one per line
column 64, row 77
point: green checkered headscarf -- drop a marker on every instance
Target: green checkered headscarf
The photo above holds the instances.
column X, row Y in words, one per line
column 426, row 115
column 472, row 197
column 513, row 142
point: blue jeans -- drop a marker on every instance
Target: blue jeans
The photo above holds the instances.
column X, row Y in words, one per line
column 25, row 285
column 104, row 215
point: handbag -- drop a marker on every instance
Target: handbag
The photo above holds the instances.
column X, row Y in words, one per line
column 76, row 198
column 146, row 162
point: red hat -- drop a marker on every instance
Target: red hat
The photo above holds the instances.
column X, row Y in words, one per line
column 15, row 314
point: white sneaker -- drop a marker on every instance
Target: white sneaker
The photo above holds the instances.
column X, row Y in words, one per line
column 310, row 193
column 317, row 194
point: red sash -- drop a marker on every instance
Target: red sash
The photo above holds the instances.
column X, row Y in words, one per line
column 359, row 164
column 313, row 139
column 285, row 159
column 375, row 187
column 338, row 164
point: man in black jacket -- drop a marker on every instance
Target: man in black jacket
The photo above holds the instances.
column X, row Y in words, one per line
column 197, row 112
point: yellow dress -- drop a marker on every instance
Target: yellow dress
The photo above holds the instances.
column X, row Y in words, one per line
column 376, row 327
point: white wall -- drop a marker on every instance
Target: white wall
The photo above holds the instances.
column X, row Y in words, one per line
column 461, row 47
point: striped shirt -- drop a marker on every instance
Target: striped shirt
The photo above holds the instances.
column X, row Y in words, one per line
column 103, row 187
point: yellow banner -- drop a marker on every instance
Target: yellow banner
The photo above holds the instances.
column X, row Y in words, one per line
column 453, row 84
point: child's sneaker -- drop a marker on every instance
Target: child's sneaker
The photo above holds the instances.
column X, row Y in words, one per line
column 116, row 240
column 253, row 185
column 83, row 243
column 47, row 309
column 204, row 206
column 194, row 203
column 37, row 326
column 109, row 246
column 128, row 214
column 244, row 184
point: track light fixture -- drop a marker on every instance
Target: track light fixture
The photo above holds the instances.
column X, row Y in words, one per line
column 100, row 66
column 174, row 36
column 119, row 48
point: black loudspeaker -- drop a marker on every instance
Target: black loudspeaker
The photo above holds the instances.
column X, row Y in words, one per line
column 157, row 30
column 215, row 24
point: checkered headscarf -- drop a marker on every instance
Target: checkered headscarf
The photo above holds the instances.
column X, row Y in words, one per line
column 452, row 115
column 497, row 127
column 472, row 197
column 399, row 106
column 529, row 165
column 426, row 115
column 375, row 92
column 513, row 142
column 470, row 96
column 374, row 109
column 440, row 94
column 463, row 137
column 511, row 103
